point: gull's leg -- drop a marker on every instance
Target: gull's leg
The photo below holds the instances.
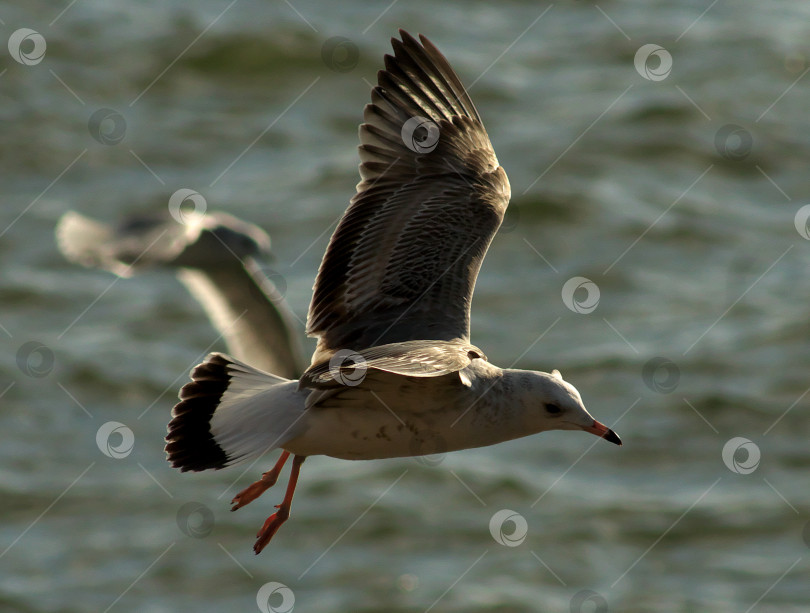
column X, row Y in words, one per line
column 254, row 490
column 273, row 523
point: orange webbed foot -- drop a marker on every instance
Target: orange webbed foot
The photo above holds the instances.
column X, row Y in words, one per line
column 273, row 523
column 254, row 490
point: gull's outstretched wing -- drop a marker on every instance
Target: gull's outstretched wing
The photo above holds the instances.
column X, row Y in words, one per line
column 403, row 261
column 214, row 256
column 137, row 243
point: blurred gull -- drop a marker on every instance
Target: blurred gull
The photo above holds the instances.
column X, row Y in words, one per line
column 394, row 373
column 215, row 256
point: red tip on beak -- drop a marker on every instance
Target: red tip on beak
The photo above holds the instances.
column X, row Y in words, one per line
column 600, row 429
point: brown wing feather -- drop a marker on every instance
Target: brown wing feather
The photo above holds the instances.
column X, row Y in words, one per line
column 403, row 261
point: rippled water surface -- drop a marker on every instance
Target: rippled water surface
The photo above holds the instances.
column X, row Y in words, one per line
column 675, row 194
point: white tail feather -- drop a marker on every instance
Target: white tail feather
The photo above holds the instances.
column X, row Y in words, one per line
column 232, row 412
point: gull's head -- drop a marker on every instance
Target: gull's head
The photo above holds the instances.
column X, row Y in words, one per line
column 555, row 404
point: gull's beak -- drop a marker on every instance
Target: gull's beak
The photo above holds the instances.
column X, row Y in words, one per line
column 600, row 429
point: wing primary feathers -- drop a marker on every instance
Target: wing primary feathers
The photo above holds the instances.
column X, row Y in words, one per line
column 403, row 261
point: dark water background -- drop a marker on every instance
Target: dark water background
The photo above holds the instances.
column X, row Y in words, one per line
column 685, row 225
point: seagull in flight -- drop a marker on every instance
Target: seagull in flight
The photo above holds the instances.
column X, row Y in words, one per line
column 394, row 373
column 217, row 257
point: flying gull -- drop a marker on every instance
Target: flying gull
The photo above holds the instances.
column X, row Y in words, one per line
column 217, row 257
column 394, row 373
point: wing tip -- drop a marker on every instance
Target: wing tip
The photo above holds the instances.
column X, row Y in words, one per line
column 81, row 238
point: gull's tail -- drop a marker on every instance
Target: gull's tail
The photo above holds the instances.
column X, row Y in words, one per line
column 231, row 412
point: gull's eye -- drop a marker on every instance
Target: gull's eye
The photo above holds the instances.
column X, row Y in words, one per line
column 553, row 409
